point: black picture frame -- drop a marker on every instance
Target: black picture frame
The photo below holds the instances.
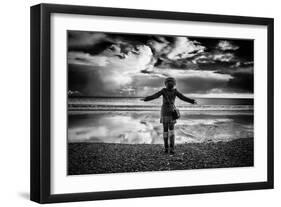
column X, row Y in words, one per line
column 41, row 102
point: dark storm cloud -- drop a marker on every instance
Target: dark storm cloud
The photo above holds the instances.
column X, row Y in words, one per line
column 81, row 78
column 200, row 85
column 95, row 43
column 242, row 82
column 111, row 63
column 163, row 48
column 88, row 42
column 88, row 81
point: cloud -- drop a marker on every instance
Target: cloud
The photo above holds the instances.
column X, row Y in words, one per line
column 124, row 64
column 160, row 46
column 112, row 74
column 82, row 58
column 239, row 64
column 166, row 50
column 216, row 57
column 121, row 50
column 192, row 74
column 191, row 81
column 223, row 57
column 83, row 38
column 200, row 85
column 242, row 82
column 226, row 45
column 184, row 48
column 175, row 48
column 220, row 93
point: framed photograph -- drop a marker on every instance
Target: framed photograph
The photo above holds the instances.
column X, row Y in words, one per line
column 133, row 103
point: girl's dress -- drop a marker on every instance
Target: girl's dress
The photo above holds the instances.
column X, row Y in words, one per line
column 169, row 96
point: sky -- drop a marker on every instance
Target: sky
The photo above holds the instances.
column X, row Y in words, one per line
column 132, row 65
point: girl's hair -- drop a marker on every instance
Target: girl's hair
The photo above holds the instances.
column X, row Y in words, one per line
column 170, row 79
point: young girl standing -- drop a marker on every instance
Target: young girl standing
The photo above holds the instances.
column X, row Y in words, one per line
column 169, row 95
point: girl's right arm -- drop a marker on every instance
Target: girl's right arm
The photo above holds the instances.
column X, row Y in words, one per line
column 154, row 96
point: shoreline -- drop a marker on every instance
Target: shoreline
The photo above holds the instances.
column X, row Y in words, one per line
column 84, row 111
column 100, row 158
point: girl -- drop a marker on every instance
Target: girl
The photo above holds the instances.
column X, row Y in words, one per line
column 169, row 94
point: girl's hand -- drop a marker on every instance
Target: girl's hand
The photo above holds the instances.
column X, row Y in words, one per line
column 142, row 99
column 195, row 102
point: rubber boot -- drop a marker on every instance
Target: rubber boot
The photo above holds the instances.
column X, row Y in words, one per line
column 165, row 136
column 172, row 141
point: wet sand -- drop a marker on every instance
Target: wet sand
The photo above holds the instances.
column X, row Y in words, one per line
column 98, row 158
column 143, row 127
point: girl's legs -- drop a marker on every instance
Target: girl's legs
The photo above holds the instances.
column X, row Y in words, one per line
column 172, row 137
column 165, row 136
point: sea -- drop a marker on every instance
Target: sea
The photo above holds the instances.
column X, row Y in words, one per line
column 132, row 121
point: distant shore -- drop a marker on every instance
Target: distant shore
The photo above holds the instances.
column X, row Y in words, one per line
column 98, row 158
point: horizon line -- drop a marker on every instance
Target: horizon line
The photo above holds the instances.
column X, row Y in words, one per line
column 191, row 96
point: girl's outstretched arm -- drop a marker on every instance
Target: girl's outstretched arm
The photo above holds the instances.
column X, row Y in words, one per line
column 154, row 96
column 184, row 98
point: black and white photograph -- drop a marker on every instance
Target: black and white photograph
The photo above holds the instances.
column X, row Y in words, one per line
column 146, row 102
column 132, row 103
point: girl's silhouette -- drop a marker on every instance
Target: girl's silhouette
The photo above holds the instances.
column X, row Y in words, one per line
column 169, row 94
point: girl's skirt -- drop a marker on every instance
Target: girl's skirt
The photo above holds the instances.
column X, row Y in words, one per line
column 166, row 116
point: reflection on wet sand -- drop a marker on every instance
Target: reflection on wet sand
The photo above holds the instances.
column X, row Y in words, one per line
column 144, row 127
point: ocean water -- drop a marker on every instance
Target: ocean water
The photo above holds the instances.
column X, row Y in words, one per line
column 131, row 121
column 133, row 104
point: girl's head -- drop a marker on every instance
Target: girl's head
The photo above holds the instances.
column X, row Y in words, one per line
column 170, row 83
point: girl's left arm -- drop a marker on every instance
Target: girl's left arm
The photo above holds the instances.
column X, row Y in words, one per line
column 154, row 96
column 184, row 98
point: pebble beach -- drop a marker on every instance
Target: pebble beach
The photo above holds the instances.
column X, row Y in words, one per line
column 99, row 158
